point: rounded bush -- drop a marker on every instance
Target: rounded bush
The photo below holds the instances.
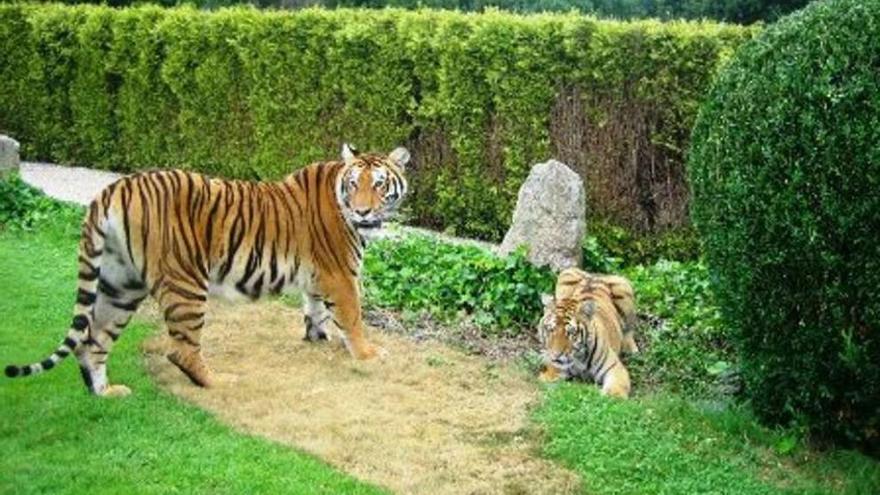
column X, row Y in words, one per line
column 785, row 172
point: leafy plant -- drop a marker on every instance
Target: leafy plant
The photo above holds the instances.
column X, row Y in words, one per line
column 685, row 346
column 689, row 349
column 596, row 257
column 421, row 273
column 25, row 207
column 631, row 249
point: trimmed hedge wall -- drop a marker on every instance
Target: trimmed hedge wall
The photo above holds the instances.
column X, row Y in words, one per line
column 739, row 11
column 786, row 177
column 477, row 97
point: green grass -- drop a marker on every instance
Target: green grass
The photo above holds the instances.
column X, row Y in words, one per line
column 55, row 438
column 664, row 444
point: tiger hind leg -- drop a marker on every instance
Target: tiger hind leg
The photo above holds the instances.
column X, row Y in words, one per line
column 315, row 319
column 184, row 306
column 114, row 308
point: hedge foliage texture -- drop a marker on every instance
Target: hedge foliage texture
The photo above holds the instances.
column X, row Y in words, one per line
column 478, row 98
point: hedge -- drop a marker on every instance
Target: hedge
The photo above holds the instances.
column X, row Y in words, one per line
column 740, row 11
column 786, row 175
column 477, row 97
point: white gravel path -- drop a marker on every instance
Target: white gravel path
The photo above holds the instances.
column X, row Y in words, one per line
column 74, row 184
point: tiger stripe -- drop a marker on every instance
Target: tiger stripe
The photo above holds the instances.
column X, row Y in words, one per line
column 585, row 328
column 179, row 236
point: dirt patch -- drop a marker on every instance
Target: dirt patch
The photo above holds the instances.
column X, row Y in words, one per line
column 425, row 419
column 462, row 333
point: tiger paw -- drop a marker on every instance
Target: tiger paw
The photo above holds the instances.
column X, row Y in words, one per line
column 314, row 333
column 115, row 391
column 193, row 366
column 368, row 351
column 381, row 353
column 204, row 378
column 549, row 374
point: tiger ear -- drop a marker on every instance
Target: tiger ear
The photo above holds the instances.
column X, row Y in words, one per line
column 548, row 301
column 400, row 157
column 588, row 308
column 349, row 152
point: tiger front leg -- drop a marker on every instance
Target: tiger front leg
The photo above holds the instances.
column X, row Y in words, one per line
column 343, row 299
column 629, row 345
column 617, row 383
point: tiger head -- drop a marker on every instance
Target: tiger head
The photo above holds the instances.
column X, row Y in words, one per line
column 562, row 331
column 371, row 186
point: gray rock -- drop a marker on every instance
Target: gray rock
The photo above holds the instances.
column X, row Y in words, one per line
column 8, row 155
column 550, row 217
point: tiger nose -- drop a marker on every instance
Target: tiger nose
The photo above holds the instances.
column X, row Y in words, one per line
column 561, row 359
column 362, row 211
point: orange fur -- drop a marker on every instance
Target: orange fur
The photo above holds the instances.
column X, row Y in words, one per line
column 585, row 328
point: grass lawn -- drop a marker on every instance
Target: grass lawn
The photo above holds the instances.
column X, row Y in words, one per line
column 57, row 439
column 664, row 444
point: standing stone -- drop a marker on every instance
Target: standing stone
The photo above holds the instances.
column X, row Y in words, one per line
column 8, row 155
column 549, row 217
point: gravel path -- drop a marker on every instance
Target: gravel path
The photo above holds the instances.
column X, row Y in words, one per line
column 74, row 184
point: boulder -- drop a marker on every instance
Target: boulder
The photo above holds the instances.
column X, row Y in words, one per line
column 8, row 155
column 550, row 217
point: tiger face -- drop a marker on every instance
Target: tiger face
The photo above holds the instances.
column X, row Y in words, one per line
column 371, row 186
column 561, row 331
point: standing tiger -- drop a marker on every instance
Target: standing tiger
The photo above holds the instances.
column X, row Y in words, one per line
column 179, row 236
column 586, row 326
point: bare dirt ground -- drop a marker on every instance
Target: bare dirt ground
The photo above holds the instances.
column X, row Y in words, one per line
column 425, row 419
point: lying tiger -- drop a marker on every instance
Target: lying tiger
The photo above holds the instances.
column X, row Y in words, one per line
column 179, row 236
column 585, row 327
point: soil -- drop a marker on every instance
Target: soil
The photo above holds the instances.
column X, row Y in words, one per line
column 427, row 418
column 508, row 348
